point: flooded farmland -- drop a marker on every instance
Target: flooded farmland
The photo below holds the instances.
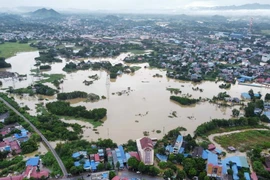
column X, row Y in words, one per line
column 143, row 106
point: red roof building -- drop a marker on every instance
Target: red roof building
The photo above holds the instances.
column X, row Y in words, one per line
column 135, row 154
column 32, row 172
column 119, row 178
column 97, row 159
column 145, row 150
column 254, row 176
column 211, row 147
column 14, row 145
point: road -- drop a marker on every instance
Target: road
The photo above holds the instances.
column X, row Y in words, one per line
column 59, row 161
column 218, row 146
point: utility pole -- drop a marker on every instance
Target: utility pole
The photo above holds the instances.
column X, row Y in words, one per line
column 163, row 130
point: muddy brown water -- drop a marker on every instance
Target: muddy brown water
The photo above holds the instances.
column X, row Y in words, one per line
column 146, row 106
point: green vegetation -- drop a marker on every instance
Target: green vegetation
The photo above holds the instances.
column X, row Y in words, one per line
column 71, row 95
column 29, row 146
column 9, row 49
column 184, row 100
column 48, row 57
column 174, row 90
column 16, row 164
column 49, row 161
column 267, row 97
column 225, row 86
column 66, row 150
column 35, row 89
column 55, row 79
column 245, row 140
column 3, row 63
column 45, row 67
column 265, row 32
column 50, row 126
column 64, row 109
column 216, row 125
column 137, row 51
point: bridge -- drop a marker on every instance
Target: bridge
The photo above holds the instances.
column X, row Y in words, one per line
column 59, row 161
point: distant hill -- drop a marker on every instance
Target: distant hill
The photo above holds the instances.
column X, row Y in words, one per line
column 45, row 13
column 254, row 6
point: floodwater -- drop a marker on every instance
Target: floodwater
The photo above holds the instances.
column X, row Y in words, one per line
column 145, row 107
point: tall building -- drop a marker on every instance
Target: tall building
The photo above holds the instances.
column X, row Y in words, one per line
column 146, row 150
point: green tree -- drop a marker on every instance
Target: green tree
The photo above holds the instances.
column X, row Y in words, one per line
column 163, row 165
column 108, row 166
column 267, row 97
column 235, row 112
column 153, row 171
column 251, row 93
column 181, row 175
column 111, row 175
column 118, row 165
column 264, row 118
column 100, row 167
column 179, row 158
column 171, row 157
column 141, row 167
column 168, row 173
column 192, row 172
column 133, row 163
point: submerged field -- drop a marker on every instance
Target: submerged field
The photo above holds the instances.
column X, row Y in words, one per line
column 245, row 140
column 9, row 49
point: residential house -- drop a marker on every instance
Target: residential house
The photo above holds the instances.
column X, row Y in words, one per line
column 214, row 167
column 146, row 150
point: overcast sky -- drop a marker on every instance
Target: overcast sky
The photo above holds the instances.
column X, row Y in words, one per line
column 123, row 4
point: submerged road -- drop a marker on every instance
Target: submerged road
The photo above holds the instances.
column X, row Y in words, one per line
column 59, row 161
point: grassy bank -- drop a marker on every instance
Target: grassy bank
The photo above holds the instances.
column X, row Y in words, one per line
column 91, row 121
column 244, row 141
column 9, row 49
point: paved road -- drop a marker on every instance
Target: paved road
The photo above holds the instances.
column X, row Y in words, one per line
column 63, row 168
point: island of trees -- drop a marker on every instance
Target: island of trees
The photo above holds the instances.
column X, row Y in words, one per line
column 64, row 109
column 71, row 95
column 184, row 100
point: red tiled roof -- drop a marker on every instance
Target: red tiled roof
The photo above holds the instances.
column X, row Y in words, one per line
column 211, row 147
column 136, row 155
column 34, row 173
column 146, row 143
column 254, row 176
column 15, row 146
column 20, row 177
column 2, row 144
column 97, row 158
column 119, row 178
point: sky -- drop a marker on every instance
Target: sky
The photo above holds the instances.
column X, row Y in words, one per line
column 123, row 4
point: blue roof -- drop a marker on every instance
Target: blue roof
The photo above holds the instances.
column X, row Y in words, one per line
column 235, row 172
column 122, row 153
column 7, row 148
column 93, row 165
column 162, row 158
column 169, row 148
column 247, row 176
column 212, row 159
column 179, row 138
column 105, row 175
column 32, row 161
column 76, row 155
column 181, row 150
column 87, row 164
column 218, row 151
column 128, row 156
column 77, row 163
column 267, row 113
column 205, row 154
column 240, row 161
column 186, row 155
column 257, row 95
column 246, row 77
column 246, row 95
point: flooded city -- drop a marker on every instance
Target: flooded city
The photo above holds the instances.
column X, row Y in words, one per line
column 143, row 106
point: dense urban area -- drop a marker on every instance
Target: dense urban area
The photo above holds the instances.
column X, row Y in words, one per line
column 57, row 101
